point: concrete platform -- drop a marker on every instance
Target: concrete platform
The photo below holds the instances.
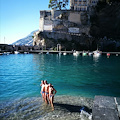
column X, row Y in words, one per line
column 106, row 108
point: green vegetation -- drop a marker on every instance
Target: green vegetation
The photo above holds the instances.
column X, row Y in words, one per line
column 58, row 4
column 106, row 20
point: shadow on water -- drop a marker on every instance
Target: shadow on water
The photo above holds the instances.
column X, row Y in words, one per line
column 73, row 108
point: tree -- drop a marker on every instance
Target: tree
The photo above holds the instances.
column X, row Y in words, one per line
column 58, row 4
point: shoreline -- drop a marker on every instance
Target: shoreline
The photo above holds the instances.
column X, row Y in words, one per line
column 66, row 108
column 56, row 52
column 33, row 108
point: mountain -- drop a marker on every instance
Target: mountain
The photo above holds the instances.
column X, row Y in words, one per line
column 25, row 41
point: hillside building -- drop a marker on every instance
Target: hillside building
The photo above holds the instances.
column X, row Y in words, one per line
column 73, row 21
column 82, row 5
column 63, row 21
column 76, row 16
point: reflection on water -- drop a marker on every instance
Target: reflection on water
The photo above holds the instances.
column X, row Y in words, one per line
column 74, row 76
column 81, row 75
column 96, row 58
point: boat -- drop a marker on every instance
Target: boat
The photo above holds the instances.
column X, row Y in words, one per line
column 6, row 53
column 47, row 53
column 26, row 52
column 16, row 52
column 96, row 53
column 90, row 53
column 108, row 55
column 84, row 53
column 76, row 53
column 64, row 53
column 40, row 52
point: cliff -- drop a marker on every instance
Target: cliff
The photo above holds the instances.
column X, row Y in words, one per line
column 68, row 41
column 76, row 30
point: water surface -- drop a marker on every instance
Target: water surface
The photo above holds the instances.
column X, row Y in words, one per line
column 20, row 75
column 82, row 76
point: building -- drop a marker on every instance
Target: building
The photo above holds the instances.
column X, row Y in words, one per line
column 73, row 21
column 62, row 20
column 82, row 5
column 45, row 21
column 51, row 20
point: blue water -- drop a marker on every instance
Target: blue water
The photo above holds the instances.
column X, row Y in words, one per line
column 20, row 75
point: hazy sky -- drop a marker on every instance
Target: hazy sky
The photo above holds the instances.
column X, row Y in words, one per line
column 18, row 18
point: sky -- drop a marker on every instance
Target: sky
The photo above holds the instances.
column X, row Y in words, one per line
column 18, row 18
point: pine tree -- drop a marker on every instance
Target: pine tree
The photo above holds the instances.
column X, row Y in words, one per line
column 58, row 4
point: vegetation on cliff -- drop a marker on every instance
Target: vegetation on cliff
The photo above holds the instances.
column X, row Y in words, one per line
column 106, row 20
column 58, row 4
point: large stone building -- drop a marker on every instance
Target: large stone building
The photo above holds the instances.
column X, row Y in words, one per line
column 82, row 5
column 76, row 20
column 64, row 20
column 78, row 14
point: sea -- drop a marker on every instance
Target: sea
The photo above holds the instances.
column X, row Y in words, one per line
column 77, row 79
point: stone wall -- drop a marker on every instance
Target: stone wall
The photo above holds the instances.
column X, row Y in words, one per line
column 70, row 41
column 12, row 48
column 62, row 20
column 41, row 24
column 75, row 17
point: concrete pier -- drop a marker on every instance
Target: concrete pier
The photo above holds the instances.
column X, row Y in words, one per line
column 106, row 108
column 68, row 52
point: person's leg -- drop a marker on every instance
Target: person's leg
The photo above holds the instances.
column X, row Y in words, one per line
column 49, row 99
column 46, row 99
column 52, row 98
column 43, row 96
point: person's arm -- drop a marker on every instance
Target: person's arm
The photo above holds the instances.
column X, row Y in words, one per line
column 55, row 91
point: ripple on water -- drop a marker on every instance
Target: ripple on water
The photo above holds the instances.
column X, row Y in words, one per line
column 66, row 107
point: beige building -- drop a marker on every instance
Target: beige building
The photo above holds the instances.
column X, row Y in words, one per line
column 82, row 5
column 45, row 21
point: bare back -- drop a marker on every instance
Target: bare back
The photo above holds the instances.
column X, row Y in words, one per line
column 52, row 91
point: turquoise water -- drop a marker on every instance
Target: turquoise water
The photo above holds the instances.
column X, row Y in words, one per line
column 76, row 79
column 20, row 75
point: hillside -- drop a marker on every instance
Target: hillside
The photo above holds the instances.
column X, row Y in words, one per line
column 106, row 21
column 28, row 40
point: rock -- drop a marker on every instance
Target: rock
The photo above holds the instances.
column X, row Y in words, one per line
column 104, row 108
